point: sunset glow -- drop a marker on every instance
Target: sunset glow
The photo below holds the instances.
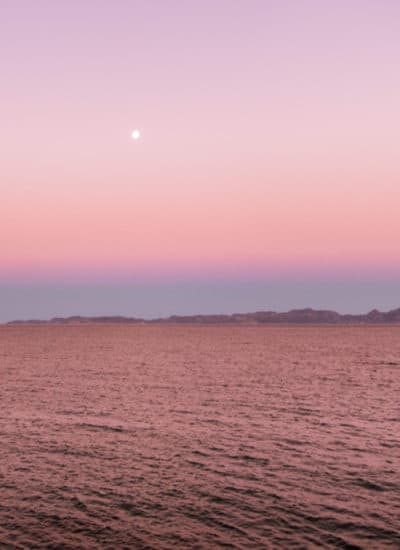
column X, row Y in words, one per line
column 271, row 143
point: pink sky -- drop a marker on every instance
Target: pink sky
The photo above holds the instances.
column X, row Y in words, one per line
column 270, row 134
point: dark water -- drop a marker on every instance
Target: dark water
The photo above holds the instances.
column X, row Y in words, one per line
column 199, row 437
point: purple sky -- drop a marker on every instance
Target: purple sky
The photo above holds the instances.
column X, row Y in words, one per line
column 267, row 164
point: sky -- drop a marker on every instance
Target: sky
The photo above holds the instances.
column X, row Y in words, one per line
column 266, row 175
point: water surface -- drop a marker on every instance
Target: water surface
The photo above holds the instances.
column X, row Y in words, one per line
column 199, row 437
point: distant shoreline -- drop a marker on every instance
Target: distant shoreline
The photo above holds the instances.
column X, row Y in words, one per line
column 306, row 316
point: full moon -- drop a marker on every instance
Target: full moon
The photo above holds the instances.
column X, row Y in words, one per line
column 135, row 134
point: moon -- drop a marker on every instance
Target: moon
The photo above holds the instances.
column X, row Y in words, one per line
column 135, row 134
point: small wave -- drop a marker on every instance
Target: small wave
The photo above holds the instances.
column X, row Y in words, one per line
column 99, row 427
column 370, row 485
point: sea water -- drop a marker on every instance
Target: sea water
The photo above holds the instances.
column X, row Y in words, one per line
column 151, row 436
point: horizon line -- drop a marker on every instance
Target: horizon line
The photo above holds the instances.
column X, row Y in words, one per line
column 217, row 317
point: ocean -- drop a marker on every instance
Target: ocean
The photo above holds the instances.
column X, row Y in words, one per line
column 159, row 437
